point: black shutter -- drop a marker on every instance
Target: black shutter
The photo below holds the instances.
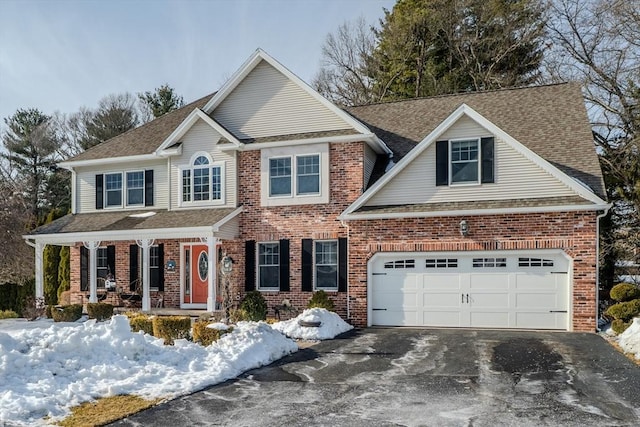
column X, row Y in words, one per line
column 148, row 188
column 133, row 267
column 487, row 160
column 284, row 265
column 111, row 260
column 99, row 191
column 84, row 268
column 342, row 264
column 161, row 267
column 442, row 162
column 307, row 265
column 249, row 265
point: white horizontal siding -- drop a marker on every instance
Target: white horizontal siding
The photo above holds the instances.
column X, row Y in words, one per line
column 267, row 103
column 516, row 177
column 465, row 127
column 230, row 230
column 202, row 138
column 370, row 158
column 86, row 181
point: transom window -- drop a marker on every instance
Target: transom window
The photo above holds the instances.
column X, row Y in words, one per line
column 401, row 264
column 464, row 161
column 441, row 263
column 113, row 189
column 135, row 188
column 489, row 262
column 307, row 175
column 203, row 181
column 326, row 265
column 269, row 266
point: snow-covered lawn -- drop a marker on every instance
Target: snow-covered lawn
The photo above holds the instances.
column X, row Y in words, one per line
column 629, row 340
column 46, row 368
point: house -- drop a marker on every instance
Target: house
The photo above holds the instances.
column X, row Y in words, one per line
column 476, row 209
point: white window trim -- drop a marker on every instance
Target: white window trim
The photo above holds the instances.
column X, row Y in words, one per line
column 450, row 163
column 315, row 270
column 293, row 178
column 106, row 257
column 126, row 189
column 272, row 289
column 293, row 152
column 122, row 192
column 151, row 288
column 190, row 167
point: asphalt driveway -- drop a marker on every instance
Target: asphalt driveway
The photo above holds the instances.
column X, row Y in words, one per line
column 431, row 377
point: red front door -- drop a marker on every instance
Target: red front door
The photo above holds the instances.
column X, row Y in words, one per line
column 196, row 274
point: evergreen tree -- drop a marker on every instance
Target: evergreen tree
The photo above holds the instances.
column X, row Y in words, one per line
column 159, row 102
column 115, row 115
column 51, row 265
column 64, row 271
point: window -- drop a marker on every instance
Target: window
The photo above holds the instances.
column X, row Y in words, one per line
column 135, row 188
column 102, row 265
column 326, row 264
column 489, row 262
column 113, row 189
column 202, row 181
column 401, row 264
column 307, row 179
column 269, row 266
column 154, row 267
column 464, row 161
column 535, row 262
column 441, row 263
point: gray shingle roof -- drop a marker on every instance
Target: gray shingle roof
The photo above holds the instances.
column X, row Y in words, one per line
column 144, row 139
column 550, row 120
column 123, row 220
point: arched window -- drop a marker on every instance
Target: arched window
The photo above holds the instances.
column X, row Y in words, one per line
column 202, row 180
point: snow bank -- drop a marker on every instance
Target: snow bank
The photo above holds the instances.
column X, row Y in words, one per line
column 330, row 325
column 45, row 371
column 629, row 340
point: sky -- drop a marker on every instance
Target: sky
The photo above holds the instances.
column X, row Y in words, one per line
column 46, row 368
column 60, row 55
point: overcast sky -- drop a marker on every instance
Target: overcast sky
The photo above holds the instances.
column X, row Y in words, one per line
column 59, row 55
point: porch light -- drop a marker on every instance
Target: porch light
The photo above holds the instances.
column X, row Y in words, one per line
column 464, row 228
column 227, row 265
column 171, row 265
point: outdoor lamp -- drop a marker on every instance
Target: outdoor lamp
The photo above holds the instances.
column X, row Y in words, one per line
column 464, row 227
column 227, row 265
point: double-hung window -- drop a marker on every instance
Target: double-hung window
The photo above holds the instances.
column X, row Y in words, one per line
column 113, row 189
column 464, row 161
column 102, row 265
column 326, row 264
column 202, row 181
column 135, row 188
column 269, row 266
column 283, row 182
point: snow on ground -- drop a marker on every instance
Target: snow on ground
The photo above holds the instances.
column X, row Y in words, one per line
column 629, row 340
column 330, row 325
column 46, row 368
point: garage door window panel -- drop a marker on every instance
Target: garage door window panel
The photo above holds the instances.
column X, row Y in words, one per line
column 441, row 263
column 400, row 264
column 326, row 264
column 535, row 262
column 489, row 262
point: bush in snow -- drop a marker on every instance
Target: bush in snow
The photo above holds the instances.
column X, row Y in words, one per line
column 619, row 326
column 140, row 322
column 171, row 328
column 238, row 315
column 68, row 313
column 204, row 335
column 321, row 299
column 99, row 311
column 8, row 314
column 255, row 306
column 623, row 312
column 624, row 292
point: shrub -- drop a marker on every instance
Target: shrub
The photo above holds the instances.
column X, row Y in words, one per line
column 67, row 313
column 206, row 336
column 255, row 306
column 65, row 298
column 8, row 314
column 99, row 311
column 619, row 326
column 625, row 310
column 624, row 292
column 171, row 328
column 47, row 311
column 238, row 315
column 140, row 322
column 321, row 299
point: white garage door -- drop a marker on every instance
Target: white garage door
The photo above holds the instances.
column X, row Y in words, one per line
column 485, row 290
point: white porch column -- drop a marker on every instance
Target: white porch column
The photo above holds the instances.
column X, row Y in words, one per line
column 39, row 247
column 213, row 273
column 145, row 244
column 93, row 278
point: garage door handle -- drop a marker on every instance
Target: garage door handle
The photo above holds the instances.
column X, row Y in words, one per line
column 557, row 311
column 379, row 309
column 378, row 274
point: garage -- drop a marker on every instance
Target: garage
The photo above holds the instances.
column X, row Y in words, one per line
column 524, row 290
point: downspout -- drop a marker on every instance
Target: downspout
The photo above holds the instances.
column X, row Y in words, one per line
column 345, row 225
column 598, row 218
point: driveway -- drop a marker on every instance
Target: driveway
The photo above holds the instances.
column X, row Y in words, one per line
column 431, row 377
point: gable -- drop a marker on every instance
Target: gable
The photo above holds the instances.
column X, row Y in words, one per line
column 516, row 177
column 268, row 103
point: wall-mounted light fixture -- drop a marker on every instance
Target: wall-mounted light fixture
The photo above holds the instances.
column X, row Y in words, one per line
column 171, row 265
column 227, row 265
column 464, row 228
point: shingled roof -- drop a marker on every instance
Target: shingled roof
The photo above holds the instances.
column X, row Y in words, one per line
column 549, row 120
column 144, row 139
